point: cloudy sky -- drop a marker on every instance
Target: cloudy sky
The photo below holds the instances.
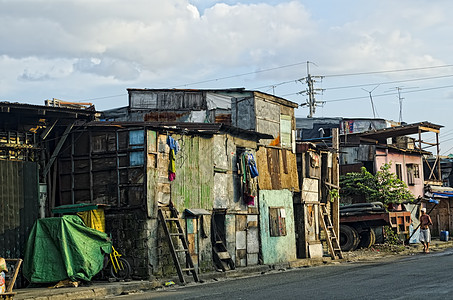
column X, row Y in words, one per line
column 93, row 50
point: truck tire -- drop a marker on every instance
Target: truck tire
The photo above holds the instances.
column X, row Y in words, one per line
column 367, row 238
column 349, row 238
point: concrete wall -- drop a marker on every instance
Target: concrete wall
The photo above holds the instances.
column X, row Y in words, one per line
column 131, row 234
column 281, row 248
column 403, row 159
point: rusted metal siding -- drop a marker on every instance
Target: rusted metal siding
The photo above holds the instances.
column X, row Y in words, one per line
column 224, row 158
column 277, row 169
column 223, row 118
column 267, row 117
column 263, row 113
column 18, row 205
column 167, row 100
column 243, row 113
column 164, row 116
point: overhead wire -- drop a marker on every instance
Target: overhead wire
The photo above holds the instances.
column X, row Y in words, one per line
column 243, row 74
column 388, row 82
column 388, row 71
column 296, row 80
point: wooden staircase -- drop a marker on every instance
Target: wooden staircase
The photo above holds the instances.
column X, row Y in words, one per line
column 331, row 238
column 221, row 257
column 168, row 215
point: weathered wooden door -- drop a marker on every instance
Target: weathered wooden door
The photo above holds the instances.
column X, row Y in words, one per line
column 247, row 240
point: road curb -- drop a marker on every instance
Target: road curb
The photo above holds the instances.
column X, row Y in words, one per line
column 104, row 290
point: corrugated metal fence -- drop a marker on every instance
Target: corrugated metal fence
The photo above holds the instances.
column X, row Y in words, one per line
column 18, row 205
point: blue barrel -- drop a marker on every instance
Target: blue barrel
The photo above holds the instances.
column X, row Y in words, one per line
column 444, row 236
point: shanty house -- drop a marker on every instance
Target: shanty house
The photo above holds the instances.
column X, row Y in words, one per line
column 394, row 145
column 247, row 110
column 31, row 137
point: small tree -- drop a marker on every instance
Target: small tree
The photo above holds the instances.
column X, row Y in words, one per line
column 384, row 186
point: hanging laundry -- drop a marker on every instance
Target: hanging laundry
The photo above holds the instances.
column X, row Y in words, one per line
column 249, row 181
column 252, row 166
column 174, row 147
column 173, row 144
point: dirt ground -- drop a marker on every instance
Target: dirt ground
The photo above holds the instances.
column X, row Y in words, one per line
column 386, row 250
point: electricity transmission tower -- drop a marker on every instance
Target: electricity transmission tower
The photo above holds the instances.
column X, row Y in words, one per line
column 311, row 92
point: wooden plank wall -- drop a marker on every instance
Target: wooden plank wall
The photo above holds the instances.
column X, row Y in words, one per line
column 442, row 220
column 194, row 183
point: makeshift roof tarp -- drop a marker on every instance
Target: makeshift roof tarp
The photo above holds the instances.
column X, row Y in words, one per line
column 440, row 191
column 62, row 248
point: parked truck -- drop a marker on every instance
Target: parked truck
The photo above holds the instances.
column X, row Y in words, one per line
column 360, row 222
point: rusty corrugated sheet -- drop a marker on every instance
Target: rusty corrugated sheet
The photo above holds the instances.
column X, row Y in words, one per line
column 273, row 159
column 272, row 169
column 223, row 118
column 351, row 168
column 164, row 116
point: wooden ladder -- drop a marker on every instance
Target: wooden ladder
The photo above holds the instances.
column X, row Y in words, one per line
column 332, row 240
column 221, row 256
column 169, row 215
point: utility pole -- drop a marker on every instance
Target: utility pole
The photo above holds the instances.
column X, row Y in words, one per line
column 311, row 92
column 371, row 99
column 400, row 99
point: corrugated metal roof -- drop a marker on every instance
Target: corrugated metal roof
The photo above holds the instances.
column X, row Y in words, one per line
column 8, row 107
column 402, row 130
column 187, row 127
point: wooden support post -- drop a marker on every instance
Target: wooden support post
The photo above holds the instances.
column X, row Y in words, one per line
column 118, row 182
column 90, row 164
column 336, row 180
column 439, row 172
column 57, row 149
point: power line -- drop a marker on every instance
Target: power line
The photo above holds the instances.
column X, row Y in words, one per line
column 445, row 152
column 387, row 82
column 388, row 71
column 353, row 86
column 388, row 94
column 100, row 98
column 331, row 75
column 243, row 74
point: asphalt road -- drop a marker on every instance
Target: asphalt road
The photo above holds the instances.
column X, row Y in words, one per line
column 416, row 277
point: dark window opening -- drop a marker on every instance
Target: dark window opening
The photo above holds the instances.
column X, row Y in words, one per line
column 399, row 171
column 277, row 221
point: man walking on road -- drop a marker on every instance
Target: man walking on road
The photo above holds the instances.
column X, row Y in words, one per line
column 425, row 234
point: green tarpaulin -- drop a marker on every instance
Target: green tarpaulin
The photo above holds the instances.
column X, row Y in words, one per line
column 62, row 248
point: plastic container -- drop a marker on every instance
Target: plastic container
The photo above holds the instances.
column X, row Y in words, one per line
column 444, row 236
column 2, row 283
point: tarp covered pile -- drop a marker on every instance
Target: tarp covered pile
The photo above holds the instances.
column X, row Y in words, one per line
column 64, row 248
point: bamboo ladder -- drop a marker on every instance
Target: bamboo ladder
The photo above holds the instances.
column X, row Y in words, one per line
column 332, row 240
